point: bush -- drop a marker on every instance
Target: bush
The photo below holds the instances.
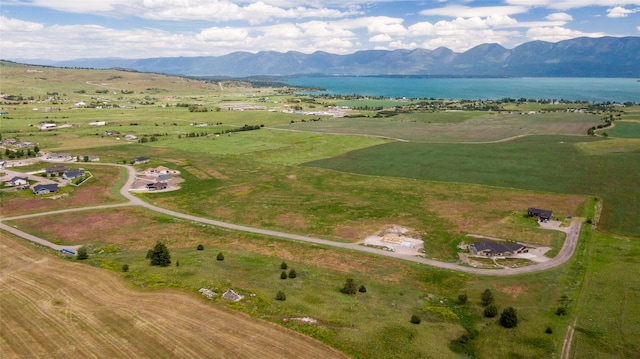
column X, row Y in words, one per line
column 548, row 330
column 82, row 253
column 462, row 298
column 177, row 263
column 292, row 273
column 486, row 298
column 159, row 255
column 283, row 266
column 281, row 296
column 125, row 268
column 490, row 311
column 349, row 287
column 220, row 256
column 283, row 275
column 200, row 247
column 561, row 311
column 509, row 318
column 415, row 319
column 362, row 289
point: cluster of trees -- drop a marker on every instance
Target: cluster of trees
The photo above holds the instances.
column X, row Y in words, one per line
column 20, row 153
column 607, row 122
column 350, row 287
column 244, row 128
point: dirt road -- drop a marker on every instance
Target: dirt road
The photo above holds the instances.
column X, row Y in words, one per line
column 565, row 253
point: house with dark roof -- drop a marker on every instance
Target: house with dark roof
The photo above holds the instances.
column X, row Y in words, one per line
column 492, row 249
column 45, row 188
column 56, row 170
column 541, row 214
column 140, row 160
column 72, row 174
column 164, row 177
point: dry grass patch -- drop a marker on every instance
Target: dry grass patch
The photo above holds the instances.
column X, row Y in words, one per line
column 51, row 309
column 514, row 291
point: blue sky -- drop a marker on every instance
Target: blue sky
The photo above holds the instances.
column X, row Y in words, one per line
column 70, row 29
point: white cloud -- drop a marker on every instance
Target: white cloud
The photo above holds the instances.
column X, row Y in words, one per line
column 480, row 11
column 380, row 38
column 8, row 24
column 555, row 34
column 559, row 16
column 571, row 4
column 620, row 11
column 220, row 34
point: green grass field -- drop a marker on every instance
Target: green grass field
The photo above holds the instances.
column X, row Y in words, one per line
column 625, row 129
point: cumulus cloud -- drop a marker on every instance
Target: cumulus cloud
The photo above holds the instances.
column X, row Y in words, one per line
column 556, row 33
column 8, row 24
column 480, row 11
column 620, row 11
column 559, row 16
column 571, row 4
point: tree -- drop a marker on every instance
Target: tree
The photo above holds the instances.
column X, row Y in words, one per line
column 281, row 296
column 283, row 275
column 509, row 318
column 561, row 311
column 292, row 273
column 349, row 287
column 462, row 298
column 283, row 266
column 200, row 247
column 220, row 256
column 362, row 289
column 125, row 268
column 548, row 330
column 177, row 263
column 415, row 319
column 160, row 255
column 82, row 253
column 490, row 311
column 486, row 298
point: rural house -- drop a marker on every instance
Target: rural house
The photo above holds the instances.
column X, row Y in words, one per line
column 491, row 249
column 59, row 157
column 17, row 181
column 72, row 173
column 56, row 170
column 541, row 214
column 45, row 188
column 140, row 160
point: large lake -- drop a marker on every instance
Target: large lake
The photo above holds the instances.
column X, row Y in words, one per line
column 583, row 89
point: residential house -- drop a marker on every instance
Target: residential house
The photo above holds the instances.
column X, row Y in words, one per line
column 56, row 170
column 492, row 249
column 140, row 160
column 541, row 214
column 17, row 181
column 157, row 186
column 59, row 157
column 72, row 174
column 45, row 188
column 164, row 177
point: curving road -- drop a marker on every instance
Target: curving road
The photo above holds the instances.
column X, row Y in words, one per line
column 564, row 255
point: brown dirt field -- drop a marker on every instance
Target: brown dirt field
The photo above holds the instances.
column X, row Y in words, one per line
column 50, row 309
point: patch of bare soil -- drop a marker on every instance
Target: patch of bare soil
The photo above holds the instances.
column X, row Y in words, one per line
column 513, row 290
column 397, row 239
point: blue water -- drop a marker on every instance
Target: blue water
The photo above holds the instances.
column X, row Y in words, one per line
column 575, row 89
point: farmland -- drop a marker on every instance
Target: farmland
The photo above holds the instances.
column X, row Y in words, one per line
column 441, row 174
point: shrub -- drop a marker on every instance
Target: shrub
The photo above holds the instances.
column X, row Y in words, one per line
column 82, row 253
column 548, row 330
column 486, row 298
column 292, row 273
column 509, row 318
column 125, row 268
column 561, row 311
column 283, row 266
column 415, row 319
column 220, row 256
column 362, row 289
column 281, row 296
column 283, row 275
column 462, row 298
column 159, row 255
column 200, row 247
column 490, row 311
column 177, row 263
column 349, row 287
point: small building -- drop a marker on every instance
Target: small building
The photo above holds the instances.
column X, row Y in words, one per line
column 45, row 188
column 88, row 158
column 72, row 174
column 492, row 249
column 157, row 186
column 56, row 170
column 541, row 214
column 17, row 181
column 164, row 177
column 140, row 160
column 130, row 137
column 59, row 157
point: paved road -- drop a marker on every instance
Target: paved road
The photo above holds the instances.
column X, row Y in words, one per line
column 565, row 253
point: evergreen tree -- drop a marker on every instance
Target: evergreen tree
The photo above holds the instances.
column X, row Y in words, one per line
column 283, row 266
column 160, row 255
column 292, row 273
column 283, row 275
column 415, row 319
column 486, row 298
column 220, row 256
column 349, row 287
column 281, row 296
column 362, row 289
column 509, row 318
column 490, row 311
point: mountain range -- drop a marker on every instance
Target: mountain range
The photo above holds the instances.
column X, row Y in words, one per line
column 579, row 57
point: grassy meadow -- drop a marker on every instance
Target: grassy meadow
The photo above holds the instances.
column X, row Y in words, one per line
column 441, row 174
